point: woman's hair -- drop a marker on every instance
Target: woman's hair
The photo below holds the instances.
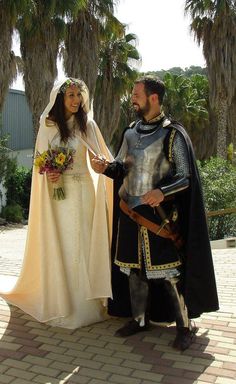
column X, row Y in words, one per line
column 57, row 114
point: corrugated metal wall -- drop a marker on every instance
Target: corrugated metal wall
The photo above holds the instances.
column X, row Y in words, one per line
column 17, row 121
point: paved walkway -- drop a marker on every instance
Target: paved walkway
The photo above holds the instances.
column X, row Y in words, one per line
column 31, row 352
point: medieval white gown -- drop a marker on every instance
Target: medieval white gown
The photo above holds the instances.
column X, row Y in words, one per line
column 65, row 276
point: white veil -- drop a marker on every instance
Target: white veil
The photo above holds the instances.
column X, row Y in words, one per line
column 54, row 92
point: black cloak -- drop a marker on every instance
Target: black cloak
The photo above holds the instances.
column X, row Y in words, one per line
column 197, row 282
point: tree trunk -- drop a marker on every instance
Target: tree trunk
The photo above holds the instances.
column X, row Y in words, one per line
column 7, row 64
column 221, row 113
column 40, row 68
column 82, row 54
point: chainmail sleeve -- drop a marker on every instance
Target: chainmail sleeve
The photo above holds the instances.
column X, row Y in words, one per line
column 180, row 167
column 180, row 156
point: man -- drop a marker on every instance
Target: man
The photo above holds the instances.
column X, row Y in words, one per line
column 162, row 242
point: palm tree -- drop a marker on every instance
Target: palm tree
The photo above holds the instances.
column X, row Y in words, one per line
column 186, row 100
column 231, row 122
column 214, row 24
column 116, row 75
column 9, row 12
column 83, row 39
column 203, row 127
column 127, row 116
column 41, row 30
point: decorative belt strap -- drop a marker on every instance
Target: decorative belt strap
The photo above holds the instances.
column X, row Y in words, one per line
column 153, row 227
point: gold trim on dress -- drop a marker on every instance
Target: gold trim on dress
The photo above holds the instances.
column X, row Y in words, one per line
column 150, row 267
column 127, row 265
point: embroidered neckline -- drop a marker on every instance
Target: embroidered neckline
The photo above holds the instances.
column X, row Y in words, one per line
column 154, row 119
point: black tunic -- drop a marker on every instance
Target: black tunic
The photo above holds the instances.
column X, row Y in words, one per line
column 197, row 281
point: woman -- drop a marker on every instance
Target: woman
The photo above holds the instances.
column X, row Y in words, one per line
column 65, row 277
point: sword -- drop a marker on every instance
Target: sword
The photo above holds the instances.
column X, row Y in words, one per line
column 164, row 218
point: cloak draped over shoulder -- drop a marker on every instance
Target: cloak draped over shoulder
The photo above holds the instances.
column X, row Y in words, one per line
column 198, row 284
column 42, row 289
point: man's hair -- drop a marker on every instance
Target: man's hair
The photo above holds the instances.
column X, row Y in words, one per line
column 153, row 85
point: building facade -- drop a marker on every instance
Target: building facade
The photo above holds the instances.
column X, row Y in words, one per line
column 17, row 125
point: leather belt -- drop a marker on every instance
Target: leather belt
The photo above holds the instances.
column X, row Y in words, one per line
column 159, row 230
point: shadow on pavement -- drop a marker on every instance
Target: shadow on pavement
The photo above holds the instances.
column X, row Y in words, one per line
column 156, row 347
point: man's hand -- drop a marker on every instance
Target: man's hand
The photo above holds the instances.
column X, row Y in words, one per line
column 153, row 198
column 99, row 164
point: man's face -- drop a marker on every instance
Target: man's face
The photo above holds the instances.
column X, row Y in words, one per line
column 140, row 100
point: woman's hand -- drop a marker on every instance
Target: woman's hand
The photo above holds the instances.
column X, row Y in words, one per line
column 53, row 176
column 153, row 197
column 99, row 164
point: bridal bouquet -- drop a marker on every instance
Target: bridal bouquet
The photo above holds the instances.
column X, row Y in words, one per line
column 57, row 160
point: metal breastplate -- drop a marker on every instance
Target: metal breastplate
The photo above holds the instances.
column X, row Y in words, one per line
column 145, row 164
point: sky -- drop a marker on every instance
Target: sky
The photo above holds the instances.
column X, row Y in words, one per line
column 163, row 35
column 162, row 29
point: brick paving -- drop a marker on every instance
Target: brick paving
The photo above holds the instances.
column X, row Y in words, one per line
column 32, row 352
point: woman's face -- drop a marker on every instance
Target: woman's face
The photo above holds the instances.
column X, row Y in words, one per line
column 72, row 100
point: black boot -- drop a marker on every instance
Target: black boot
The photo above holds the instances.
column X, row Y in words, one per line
column 131, row 328
column 184, row 337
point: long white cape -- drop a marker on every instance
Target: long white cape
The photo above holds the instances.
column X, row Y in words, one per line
column 41, row 288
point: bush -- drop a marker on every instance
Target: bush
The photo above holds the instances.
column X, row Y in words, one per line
column 13, row 213
column 18, row 185
column 5, row 161
column 218, row 181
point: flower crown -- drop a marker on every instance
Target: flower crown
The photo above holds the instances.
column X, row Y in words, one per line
column 70, row 83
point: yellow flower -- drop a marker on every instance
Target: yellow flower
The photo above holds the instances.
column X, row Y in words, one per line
column 44, row 155
column 39, row 161
column 60, row 159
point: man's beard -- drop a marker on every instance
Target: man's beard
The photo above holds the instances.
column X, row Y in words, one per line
column 141, row 112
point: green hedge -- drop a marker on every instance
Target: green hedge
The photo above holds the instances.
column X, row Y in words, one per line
column 18, row 185
column 219, row 184
column 13, row 213
column 218, row 181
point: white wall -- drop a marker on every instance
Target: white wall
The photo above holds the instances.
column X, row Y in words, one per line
column 24, row 157
column 2, row 196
